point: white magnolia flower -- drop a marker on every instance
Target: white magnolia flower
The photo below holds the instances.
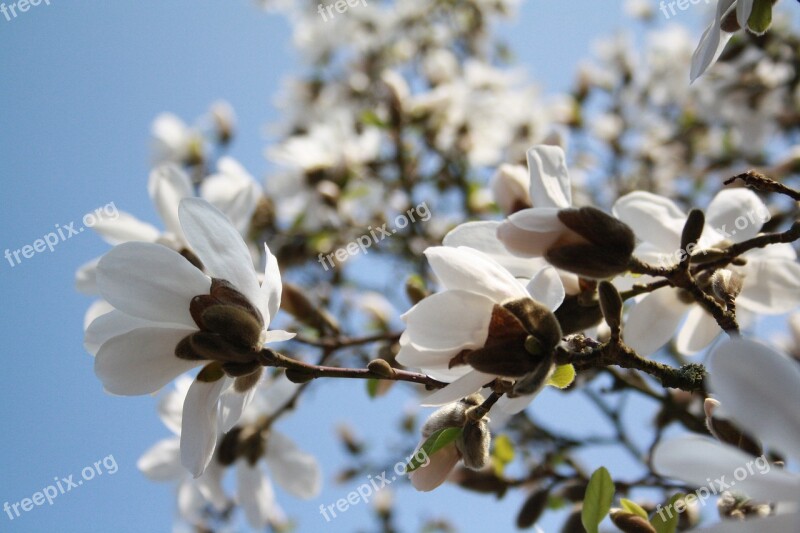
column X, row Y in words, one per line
column 458, row 319
column 771, row 275
column 715, row 37
column 174, row 141
column 170, row 318
column 759, row 388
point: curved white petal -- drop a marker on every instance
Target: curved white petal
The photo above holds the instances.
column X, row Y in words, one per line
column 760, row 389
column 653, row 218
column 450, row 319
column 97, row 309
column 512, row 406
column 546, row 288
column 467, row 269
column 255, row 495
column 464, row 386
column 440, row 464
column 167, row 185
column 294, row 470
column 220, row 248
column 271, row 287
column 740, row 212
column 278, row 335
column 699, row 330
column 232, row 405
column 199, row 427
column 771, row 286
column 150, row 281
column 113, row 324
column 141, row 361
column 233, row 191
column 170, row 406
column 743, row 10
column 712, row 42
column 162, row 461
column 86, row 277
column 482, row 236
column 426, row 358
column 653, row 321
column 210, row 486
column 191, row 502
column 702, row 461
column 125, row 228
column 550, row 185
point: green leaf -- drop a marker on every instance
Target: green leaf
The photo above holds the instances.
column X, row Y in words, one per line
column 760, row 17
column 633, row 507
column 597, row 502
column 562, row 377
column 502, row 453
column 372, row 387
column 666, row 521
column 370, row 118
column 435, row 442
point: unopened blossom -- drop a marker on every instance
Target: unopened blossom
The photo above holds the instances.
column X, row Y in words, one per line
column 770, row 278
column 170, row 317
column 759, row 388
column 584, row 241
column 510, row 186
column 478, row 327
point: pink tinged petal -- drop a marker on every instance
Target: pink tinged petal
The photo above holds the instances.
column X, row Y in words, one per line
column 278, row 335
column 232, row 405
column 653, row 321
column 199, row 427
column 167, row 186
column 702, row 461
column 441, row 463
column 460, row 388
column 769, row 524
column 739, row 213
column 151, row 281
column 469, row 270
column 760, row 389
column 162, row 461
column 482, row 236
column 530, row 232
column 255, row 494
column 220, row 247
column 271, row 288
column 125, row 228
column 711, row 44
column 113, row 324
column 141, row 361
column 654, row 219
column 295, row 471
column 771, row 286
column 550, row 185
column 546, row 288
column 86, row 277
column 699, row 330
column 448, row 320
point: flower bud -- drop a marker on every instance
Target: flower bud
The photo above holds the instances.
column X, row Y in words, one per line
column 510, row 186
column 692, row 230
column 631, row 523
column 533, row 508
column 381, row 368
column 610, row 304
column 726, row 285
column 473, row 444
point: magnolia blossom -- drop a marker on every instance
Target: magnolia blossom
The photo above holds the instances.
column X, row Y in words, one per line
column 458, row 319
column 771, row 275
column 719, row 32
column 169, row 317
column 759, row 388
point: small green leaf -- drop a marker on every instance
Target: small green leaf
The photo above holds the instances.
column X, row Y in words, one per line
column 665, row 519
column 435, row 442
column 633, row 507
column 372, row 387
column 760, row 17
column 562, row 377
column 597, row 502
column 502, row 453
column 370, row 118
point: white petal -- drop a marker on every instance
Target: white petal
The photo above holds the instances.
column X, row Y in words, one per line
column 232, row 405
column 739, row 212
column 653, row 218
column 771, row 286
column 141, row 361
column 653, row 321
column 162, row 461
column 278, row 335
column 760, row 389
column 512, row 406
column 199, row 427
column 412, row 356
column 699, row 330
column 702, row 461
column 167, row 186
column 460, row 388
column 233, row 191
column 550, row 185
column 210, row 486
column 546, row 288
column 743, row 10
column 150, row 281
column 95, row 311
column 255, row 495
column 530, row 232
column 440, row 464
column 191, row 502
column 86, row 277
column 467, row 269
column 712, row 42
column 271, row 288
column 219, row 247
column 125, row 228
column 450, row 319
column 113, row 324
column 295, row 471
column 482, row 236
column 170, row 406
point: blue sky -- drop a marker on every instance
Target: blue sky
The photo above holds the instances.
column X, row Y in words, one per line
column 80, row 83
